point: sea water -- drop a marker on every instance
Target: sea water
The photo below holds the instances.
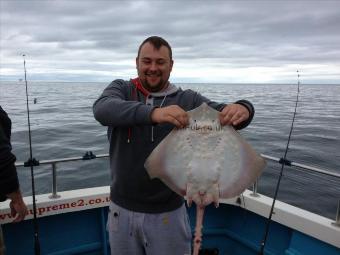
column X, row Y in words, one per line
column 62, row 125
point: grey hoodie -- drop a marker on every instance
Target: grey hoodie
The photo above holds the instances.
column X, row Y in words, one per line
column 126, row 110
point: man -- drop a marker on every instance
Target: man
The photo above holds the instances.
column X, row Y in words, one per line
column 146, row 217
column 9, row 184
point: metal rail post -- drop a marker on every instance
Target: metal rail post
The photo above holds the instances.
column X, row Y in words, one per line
column 54, row 182
column 337, row 216
column 255, row 194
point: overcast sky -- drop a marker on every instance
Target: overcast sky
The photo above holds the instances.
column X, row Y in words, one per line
column 212, row 41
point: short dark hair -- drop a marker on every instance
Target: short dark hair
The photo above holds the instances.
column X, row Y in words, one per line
column 157, row 42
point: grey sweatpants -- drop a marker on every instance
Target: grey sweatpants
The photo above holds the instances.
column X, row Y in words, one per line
column 133, row 233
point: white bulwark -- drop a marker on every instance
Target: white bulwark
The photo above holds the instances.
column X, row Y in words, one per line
column 83, row 199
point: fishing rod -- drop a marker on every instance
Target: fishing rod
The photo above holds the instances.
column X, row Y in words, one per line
column 284, row 159
column 32, row 162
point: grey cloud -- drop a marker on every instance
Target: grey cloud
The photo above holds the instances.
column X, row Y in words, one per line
column 229, row 33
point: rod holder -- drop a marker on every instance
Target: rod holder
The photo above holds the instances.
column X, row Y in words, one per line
column 337, row 216
column 54, row 194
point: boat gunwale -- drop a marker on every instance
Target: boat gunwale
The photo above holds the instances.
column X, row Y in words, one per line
column 293, row 217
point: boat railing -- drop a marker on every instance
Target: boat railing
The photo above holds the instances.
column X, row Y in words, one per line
column 89, row 156
column 53, row 162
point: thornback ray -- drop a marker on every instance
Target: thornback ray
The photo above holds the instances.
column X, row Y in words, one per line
column 205, row 162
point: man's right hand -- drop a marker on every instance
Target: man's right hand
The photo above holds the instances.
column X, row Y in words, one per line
column 17, row 205
column 170, row 114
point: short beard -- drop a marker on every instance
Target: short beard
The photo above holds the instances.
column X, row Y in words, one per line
column 156, row 88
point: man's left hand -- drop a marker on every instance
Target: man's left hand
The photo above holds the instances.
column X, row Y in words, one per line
column 233, row 114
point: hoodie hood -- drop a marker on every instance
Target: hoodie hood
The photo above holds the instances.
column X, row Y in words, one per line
column 170, row 89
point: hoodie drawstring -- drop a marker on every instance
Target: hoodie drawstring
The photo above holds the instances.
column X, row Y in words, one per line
column 160, row 106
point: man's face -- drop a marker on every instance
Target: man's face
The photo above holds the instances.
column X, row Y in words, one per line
column 154, row 67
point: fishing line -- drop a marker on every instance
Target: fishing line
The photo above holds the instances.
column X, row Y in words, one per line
column 31, row 163
column 283, row 161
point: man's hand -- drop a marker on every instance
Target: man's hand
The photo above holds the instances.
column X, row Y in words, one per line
column 17, row 205
column 233, row 114
column 170, row 114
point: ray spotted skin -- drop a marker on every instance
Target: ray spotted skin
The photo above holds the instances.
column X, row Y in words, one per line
column 205, row 162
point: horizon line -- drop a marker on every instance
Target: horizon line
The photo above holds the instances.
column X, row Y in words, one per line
column 184, row 82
